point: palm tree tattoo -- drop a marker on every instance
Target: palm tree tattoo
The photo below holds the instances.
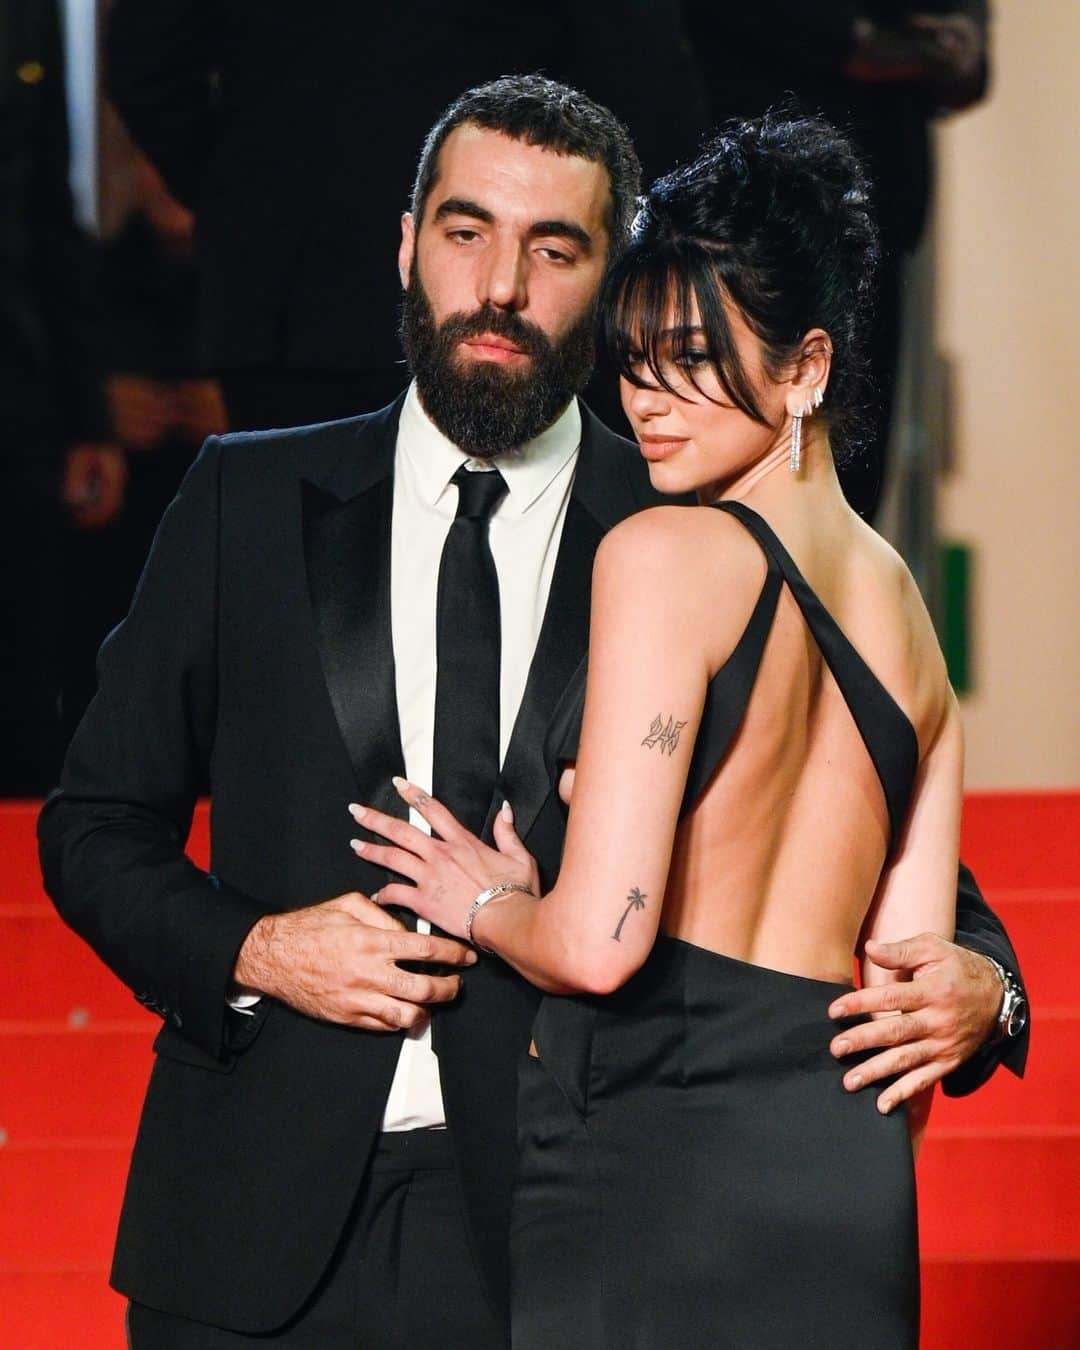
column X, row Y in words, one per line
column 635, row 900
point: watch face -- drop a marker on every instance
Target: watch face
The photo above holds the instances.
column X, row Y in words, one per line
column 1017, row 1018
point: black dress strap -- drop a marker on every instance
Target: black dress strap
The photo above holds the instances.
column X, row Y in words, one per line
column 730, row 689
column 886, row 731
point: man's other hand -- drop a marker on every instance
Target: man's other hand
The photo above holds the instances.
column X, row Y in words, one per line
column 94, row 480
column 338, row 961
column 942, row 1012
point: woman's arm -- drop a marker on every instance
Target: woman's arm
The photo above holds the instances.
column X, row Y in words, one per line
column 917, row 891
column 657, row 634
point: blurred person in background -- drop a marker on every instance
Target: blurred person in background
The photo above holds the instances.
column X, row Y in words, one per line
column 291, row 128
column 162, row 411
column 883, row 70
column 56, row 446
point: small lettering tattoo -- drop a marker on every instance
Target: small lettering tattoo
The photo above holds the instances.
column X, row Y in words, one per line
column 635, row 900
column 664, row 734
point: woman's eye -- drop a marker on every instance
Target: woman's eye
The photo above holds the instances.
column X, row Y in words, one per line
column 693, row 359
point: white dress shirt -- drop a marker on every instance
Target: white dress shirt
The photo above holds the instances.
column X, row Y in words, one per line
column 524, row 535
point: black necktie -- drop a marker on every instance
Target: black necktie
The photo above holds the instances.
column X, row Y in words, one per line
column 467, row 645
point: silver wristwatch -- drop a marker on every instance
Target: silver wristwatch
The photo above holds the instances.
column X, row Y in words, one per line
column 1012, row 1015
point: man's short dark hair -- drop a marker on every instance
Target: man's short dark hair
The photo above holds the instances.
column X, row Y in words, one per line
column 552, row 116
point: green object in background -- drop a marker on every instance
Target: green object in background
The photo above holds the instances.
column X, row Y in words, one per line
column 956, row 568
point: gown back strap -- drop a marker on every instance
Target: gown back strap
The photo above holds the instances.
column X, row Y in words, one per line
column 885, row 729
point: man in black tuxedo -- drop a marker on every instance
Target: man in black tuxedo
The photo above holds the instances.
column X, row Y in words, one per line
column 293, row 1183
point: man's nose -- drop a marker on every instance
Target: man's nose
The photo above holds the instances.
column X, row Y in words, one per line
column 503, row 281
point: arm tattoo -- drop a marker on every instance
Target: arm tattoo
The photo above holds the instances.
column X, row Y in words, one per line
column 664, row 734
column 635, row 900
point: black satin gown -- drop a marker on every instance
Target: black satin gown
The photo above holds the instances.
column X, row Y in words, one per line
column 692, row 1173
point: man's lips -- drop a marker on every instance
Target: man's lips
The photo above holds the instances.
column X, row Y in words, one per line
column 488, row 347
column 656, row 448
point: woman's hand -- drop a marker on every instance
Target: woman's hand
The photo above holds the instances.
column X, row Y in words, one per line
column 448, row 872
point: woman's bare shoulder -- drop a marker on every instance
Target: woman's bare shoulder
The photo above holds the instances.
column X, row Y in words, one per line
column 906, row 631
column 689, row 568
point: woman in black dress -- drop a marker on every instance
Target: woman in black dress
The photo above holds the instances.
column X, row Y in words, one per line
column 768, row 780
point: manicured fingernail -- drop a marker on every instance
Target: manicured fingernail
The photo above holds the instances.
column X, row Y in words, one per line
column 357, row 812
column 357, row 845
column 508, row 812
column 837, row 1010
column 471, row 958
column 854, row 1082
column 400, row 783
column 842, row 1048
column 884, row 1107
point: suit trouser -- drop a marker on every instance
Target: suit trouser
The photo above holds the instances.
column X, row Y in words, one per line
column 403, row 1277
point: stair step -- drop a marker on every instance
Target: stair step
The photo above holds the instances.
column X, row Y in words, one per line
column 1048, row 1094
column 984, row 1191
column 1022, row 838
column 47, row 1308
column 62, row 1084
column 53, row 972
column 1044, row 926
column 1003, row 1302
column 59, row 1204
column 20, row 877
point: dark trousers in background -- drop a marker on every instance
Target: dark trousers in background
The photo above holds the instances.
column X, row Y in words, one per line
column 403, row 1277
column 31, row 596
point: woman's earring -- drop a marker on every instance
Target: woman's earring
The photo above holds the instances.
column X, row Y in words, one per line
column 795, row 462
column 796, row 428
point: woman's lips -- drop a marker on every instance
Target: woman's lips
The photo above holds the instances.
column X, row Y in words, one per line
column 657, row 448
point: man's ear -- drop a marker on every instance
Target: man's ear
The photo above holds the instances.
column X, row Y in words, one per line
column 810, row 373
column 407, row 248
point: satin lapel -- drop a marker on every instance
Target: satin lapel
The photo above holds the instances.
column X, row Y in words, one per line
column 564, row 638
column 347, row 555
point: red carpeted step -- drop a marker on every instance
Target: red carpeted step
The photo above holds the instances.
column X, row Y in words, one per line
column 1000, row 1304
column 996, row 1191
column 85, row 1084
column 1014, row 839
column 54, row 974
column 1048, row 1094
column 70, row 1308
column 59, row 1203
column 1044, row 925
column 20, row 877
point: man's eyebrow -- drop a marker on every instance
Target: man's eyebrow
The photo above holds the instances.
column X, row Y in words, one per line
column 562, row 229
column 461, row 206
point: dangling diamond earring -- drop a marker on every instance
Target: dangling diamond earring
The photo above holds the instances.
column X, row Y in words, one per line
column 796, row 428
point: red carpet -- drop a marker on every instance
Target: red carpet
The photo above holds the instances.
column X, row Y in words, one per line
column 999, row 1177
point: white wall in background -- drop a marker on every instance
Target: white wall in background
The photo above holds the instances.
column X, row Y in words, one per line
column 1009, row 314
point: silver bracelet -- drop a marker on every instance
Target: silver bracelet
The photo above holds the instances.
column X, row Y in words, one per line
column 492, row 893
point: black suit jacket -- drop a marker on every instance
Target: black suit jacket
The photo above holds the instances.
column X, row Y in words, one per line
column 257, row 655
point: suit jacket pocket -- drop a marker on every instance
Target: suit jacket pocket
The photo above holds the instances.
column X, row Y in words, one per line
column 172, row 1044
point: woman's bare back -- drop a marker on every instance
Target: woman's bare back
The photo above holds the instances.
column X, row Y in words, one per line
column 779, row 860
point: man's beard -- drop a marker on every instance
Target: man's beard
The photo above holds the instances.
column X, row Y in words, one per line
column 483, row 407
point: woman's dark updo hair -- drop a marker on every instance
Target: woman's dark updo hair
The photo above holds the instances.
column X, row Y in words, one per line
column 775, row 215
